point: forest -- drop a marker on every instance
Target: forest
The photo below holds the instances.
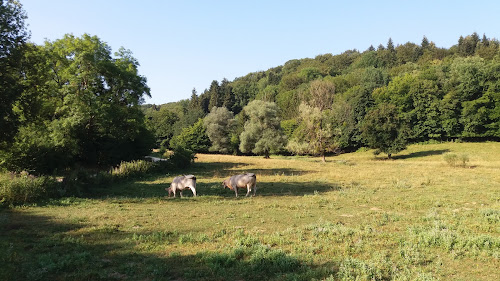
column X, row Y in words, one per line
column 72, row 102
column 383, row 98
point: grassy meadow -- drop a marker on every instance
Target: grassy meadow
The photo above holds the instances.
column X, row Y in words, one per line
column 355, row 217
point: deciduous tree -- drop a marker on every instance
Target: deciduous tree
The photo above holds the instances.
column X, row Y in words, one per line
column 85, row 104
column 314, row 135
column 219, row 125
column 13, row 35
column 262, row 133
column 384, row 130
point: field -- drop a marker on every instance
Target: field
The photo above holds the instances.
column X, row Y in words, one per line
column 355, row 217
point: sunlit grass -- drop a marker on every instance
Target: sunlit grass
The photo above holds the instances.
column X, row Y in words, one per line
column 355, row 216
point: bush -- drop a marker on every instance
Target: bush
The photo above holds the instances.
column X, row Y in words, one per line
column 80, row 180
column 181, row 158
column 456, row 160
column 24, row 188
column 136, row 168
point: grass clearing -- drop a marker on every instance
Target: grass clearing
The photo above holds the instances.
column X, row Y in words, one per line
column 355, row 217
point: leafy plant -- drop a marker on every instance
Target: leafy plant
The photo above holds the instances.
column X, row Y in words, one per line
column 456, row 160
column 24, row 188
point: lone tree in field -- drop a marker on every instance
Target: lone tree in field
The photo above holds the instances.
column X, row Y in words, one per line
column 384, row 130
column 262, row 133
column 220, row 123
column 313, row 135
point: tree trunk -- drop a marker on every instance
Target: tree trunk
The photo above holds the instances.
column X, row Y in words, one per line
column 323, row 157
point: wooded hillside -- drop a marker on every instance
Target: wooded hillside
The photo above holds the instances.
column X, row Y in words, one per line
column 436, row 93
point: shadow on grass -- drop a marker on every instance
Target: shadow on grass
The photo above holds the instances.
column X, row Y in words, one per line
column 421, row 154
column 44, row 248
column 227, row 169
column 141, row 190
column 273, row 172
column 211, row 169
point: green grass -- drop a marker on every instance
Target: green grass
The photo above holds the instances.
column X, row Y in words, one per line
column 356, row 217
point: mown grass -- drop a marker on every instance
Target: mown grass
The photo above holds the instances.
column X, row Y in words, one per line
column 355, row 217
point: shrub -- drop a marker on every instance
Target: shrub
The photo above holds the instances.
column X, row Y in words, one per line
column 132, row 169
column 181, row 158
column 456, row 160
column 80, row 180
column 25, row 188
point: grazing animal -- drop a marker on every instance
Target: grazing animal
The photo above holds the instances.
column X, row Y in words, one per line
column 180, row 183
column 241, row 181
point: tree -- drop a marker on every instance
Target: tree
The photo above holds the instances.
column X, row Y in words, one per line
column 215, row 95
column 85, row 104
column 417, row 100
column 384, row 130
column 313, row 135
column 262, row 133
column 193, row 138
column 321, row 94
column 194, row 102
column 425, row 43
column 227, row 94
column 467, row 46
column 219, row 125
column 161, row 122
column 387, row 56
column 13, row 35
column 390, row 45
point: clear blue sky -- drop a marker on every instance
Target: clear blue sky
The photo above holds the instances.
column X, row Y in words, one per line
column 185, row 44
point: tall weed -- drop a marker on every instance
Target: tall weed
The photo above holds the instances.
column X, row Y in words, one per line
column 25, row 188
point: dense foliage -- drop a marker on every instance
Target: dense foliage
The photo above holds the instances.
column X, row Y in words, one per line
column 438, row 93
column 68, row 102
column 262, row 134
column 13, row 35
column 79, row 105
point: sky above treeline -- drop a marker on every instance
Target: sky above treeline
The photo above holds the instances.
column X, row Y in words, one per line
column 185, row 44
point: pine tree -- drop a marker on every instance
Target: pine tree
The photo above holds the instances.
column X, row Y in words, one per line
column 390, row 45
column 425, row 43
column 215, row 96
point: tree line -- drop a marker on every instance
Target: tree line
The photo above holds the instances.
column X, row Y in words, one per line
column 73, row 102
column 383, row 98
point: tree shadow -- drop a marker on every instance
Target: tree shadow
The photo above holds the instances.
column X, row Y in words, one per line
column 421, row 154
column 210, row 169
column 226, row 169
column 142, row 190
column 273, row 172
column 44, row 248
column 270, row 189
